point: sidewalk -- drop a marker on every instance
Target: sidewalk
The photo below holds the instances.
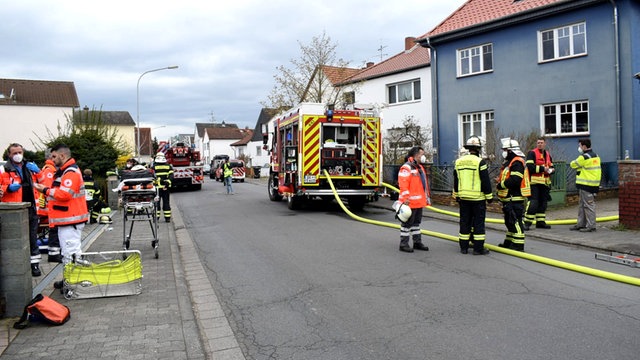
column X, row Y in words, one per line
column 177, row 315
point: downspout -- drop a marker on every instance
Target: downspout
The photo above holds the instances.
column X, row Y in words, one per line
column 434, row 103
column 616, row 35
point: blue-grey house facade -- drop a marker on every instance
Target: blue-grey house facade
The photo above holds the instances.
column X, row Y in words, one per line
column 564, row 69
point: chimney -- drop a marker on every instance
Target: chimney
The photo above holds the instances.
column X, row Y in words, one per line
column 370, row 64
column 409, row 42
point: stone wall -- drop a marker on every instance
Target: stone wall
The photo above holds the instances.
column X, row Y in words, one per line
column 629, row 193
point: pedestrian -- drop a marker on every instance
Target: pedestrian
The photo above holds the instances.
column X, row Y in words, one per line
column 513, row 188
column 67, row 204
column 540, row 167
column 588, row 175
column 414, row 192
column 18, row 181
column 228, row 176
column 45, row 178
column 472, row 190
column 164, row 176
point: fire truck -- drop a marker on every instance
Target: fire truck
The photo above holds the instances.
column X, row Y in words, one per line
column 311, row 138
column 187, row 166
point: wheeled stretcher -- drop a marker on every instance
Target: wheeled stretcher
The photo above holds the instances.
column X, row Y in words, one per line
column 139, row 199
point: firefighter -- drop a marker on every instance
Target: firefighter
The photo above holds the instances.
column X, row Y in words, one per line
column 46, row 178
column 513, row 188
column 414, row 192
column 95, row 203
column 472, row 190
column 588, row 176
column 18, row 181
column 164, row 177
column 227, row 173
column 67, row 204
column 540, row 167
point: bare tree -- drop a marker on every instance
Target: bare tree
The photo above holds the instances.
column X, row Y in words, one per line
column 304, row 79
column 399, row 140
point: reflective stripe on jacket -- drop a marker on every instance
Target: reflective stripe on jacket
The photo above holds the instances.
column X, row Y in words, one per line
column 513, row 184
column 163, row 172
column 45, row 178
column 66, row 197
column 537, row 163
column 411, row 185
column 588, row 171
column 471, row 179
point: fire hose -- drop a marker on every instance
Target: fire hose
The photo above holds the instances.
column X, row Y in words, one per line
column 540, row 259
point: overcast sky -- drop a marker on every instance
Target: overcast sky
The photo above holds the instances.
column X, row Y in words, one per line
column 227, row 51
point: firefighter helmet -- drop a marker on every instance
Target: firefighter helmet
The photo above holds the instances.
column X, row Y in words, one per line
column 138, row 168
column 105, row 210
column 511, row 145
column 403, row 212
column 104, row 219
column 473, row 142
column 160, row 158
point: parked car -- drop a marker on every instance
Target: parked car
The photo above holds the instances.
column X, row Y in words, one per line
column 206, row 169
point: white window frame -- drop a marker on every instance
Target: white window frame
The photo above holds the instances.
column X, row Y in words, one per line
column 408, row 97
column 570, row 34
column 477, row 121
column 567, row 115
column 467, row 55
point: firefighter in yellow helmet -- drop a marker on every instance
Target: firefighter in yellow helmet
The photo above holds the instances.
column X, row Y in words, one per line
column 472, row 190
column 513, row 189
column 164, row 176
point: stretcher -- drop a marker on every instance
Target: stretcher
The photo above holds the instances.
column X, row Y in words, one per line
column 103, row 274
column 139, row 200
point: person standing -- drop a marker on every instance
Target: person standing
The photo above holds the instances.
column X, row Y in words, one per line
column 588, row 176
column 228, row 176
column 18, row 181
column 46, row 178
column 414, row 192
column 95, row 203
column 67, row 204
column 164, row 177
column 513, row 187
column 540, row 167
column 472, row 190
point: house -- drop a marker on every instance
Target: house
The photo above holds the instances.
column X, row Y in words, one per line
column 123, row 126
column 323, row 85
column 199, row 135
column 30, row 110
column 255, row 148
column 240, row 147
column 400, row 87
column 218, row 141
column 559, row 68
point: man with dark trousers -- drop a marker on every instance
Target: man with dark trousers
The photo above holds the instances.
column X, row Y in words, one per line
column 414, row 192
column 540, row 166
column 164, row 175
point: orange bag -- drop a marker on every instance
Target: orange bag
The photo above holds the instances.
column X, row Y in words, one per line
column 45, row 309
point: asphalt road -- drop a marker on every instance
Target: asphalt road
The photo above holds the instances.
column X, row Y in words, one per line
column 315, row 284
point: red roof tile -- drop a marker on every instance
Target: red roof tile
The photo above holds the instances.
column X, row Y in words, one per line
column 337, row 74
column 475, row 12
column 416, row 57
column 39, row 93
column 245, row 140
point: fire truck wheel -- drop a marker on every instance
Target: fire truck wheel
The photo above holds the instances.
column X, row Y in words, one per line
column 272, row 188
column 294, row 202
column 356, row 203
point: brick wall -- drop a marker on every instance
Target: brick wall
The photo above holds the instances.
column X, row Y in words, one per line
column 629, row 193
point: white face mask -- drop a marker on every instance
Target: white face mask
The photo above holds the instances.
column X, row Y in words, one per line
column 423, row 159
column 505, row 154
column 17, row 158
column 580, row 149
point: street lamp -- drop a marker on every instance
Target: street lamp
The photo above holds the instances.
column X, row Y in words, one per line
column 138, row 103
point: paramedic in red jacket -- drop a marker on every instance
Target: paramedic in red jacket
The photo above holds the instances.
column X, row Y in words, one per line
column 66, row 203
column 414, row 192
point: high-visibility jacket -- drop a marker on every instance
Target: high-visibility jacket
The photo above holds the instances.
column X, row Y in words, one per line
column 45, row 177
column 471, row 179
column 413, row 183
column 66, row 198
column 513, row 184
column 588, row 171
column 163, row 172
column 11, row 175
column 227, row 172
column 537, row 164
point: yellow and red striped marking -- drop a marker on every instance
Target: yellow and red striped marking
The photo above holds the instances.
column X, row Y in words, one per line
column 311, row 147
column 370, row 152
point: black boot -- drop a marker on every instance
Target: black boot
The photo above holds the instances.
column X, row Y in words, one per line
column 526, row 226
column 420, row 246
column 478, row 248
column 542, row 225
column 464, row 246
column 518, row 247
column 506, row 244
column 35, row 270
column 406, row 248
column 54, row 258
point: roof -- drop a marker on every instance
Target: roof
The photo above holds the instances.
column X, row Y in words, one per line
column 477, row 12
column 245, row 140
column 225, row 133
column 337, row 74
column 38, row 93
column 414, row 58
column 116, row 118
column 201, row 127
column 266, row 114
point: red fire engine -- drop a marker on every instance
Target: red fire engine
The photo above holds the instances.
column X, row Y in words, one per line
column 187, row 166
column 311, row 138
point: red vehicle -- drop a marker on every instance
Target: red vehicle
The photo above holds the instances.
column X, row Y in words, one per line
column 237, row 168
column 187, row 166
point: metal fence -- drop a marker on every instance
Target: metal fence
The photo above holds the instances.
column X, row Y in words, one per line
column 564, row 178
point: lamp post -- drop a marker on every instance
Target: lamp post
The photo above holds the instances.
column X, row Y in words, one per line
column 138, row 103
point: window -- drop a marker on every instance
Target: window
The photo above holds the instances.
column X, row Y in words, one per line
column 566, row 118
column 475, row 60
column 406, row 91
column 258, row 150
column 349, row 97
column 478, row 124
column 562, row 42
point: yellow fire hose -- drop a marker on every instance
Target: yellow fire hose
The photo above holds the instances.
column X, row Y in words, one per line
column 541, row 259
column 501, row 221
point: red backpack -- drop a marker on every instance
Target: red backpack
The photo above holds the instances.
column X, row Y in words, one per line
column 45, row 309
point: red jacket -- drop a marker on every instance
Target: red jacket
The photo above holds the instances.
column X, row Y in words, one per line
column 11, row 176
column 45, row 177
column 66, row 198
column 411, row 186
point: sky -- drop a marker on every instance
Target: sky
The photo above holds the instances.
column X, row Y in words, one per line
column 227, row 52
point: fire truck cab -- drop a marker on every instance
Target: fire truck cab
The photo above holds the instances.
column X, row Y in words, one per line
column 311, row 138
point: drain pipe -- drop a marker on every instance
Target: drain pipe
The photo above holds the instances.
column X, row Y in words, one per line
column 616, row 35
column 434, row 88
